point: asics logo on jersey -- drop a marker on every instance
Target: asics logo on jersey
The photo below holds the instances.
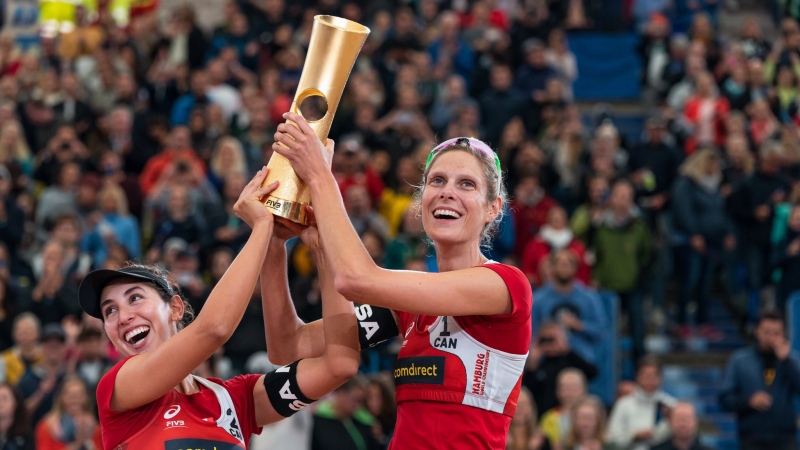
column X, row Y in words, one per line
column 172, row 411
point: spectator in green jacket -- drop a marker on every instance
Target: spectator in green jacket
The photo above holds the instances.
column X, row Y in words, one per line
column 622, row 246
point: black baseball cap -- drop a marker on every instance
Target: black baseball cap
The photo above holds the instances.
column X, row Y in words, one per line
column 93, row 284
column 53, row 331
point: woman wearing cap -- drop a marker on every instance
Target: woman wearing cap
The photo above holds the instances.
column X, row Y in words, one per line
column 151, row 399
column 466, row 330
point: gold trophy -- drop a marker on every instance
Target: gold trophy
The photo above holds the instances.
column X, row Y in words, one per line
column 332, row 51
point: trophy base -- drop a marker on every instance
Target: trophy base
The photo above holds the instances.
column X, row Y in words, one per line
column 288, row 209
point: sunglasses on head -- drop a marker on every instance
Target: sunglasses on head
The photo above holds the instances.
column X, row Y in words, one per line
column 472, row 143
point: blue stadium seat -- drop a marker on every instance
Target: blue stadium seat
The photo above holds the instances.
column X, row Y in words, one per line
column 608, row 66
column 605, row 384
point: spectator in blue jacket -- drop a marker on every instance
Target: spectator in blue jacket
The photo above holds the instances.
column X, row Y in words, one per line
column 702, row 232
column 759, row 385
column 570, row 303
column 531, row 78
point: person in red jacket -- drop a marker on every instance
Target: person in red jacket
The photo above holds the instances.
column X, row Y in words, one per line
column 179, row 156
column 553, row 236
column 705, row 113
column 466, row 330
column 531, row 205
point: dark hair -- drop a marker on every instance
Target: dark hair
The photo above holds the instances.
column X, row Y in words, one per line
column 648, row 361
column 20, row 425
column 357, row 382
column 387, row 416
column 188, row 311
column 772, row 315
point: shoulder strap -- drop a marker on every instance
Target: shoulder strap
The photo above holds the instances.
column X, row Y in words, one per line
column 228, row 420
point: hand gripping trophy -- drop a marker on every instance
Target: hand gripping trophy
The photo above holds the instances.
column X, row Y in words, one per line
column 332, row 51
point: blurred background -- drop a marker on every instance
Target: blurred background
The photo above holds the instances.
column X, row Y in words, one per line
column 651, row 151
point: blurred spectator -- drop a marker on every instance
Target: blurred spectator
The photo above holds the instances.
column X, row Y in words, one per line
column 362, row 215
column 531, row 78
column 77, row 263
column 589, row 215
column 622, row 248
column 572, row 304
column 588, row 429
column 55, row 296
column 42, row 382
column 531, row 206
column 111, row 224
column 702, row 234
column 396, row 200
column 15, row 430
column 113, row 173
column 226, row 227
column 409, row 243
column 554, row 236
column 61, row 198
column 381, row 404
column 759, row 384
column 786, row 257
column 704, row 114
column 14, row 149
column 72, row 108
column 71, row 423
column 176, row 159
column 684, row 423
column 500, row 103
column 449, row 53
column 561, row 58
column 12, row 218
column 92, row 360
column 738, row 162
column 181, row 220
column 550, row 354
column 638, row 420
column 524, row 432
column 343, row 422
column 195, row 98
column 9, row 308
column 754, row 45
column 26, row 351
column 556, row 423
column 751, row 206
column 227, row 158
column 654, row 50
column 350, row 168
column 653, row 166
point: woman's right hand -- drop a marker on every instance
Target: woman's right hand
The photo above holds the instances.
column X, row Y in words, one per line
column 307, row 233
column 249, row 207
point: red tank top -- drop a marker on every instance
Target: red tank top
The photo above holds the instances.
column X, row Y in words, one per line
column 179, row 429
column 469, row 368
column 219, row 417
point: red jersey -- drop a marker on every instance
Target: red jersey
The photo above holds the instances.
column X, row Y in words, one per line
column 221, row 416
column 458, row 378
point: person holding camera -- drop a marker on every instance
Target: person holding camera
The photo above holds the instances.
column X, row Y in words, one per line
column 549, row 355
column 759, row 385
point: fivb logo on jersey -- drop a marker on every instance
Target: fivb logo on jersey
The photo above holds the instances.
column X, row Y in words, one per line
column 170, row 414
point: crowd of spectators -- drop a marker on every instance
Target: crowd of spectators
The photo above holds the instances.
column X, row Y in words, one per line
column 134, row 142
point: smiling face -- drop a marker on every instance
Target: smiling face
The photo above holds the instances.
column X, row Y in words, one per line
column 454, row 200
column 136, row 318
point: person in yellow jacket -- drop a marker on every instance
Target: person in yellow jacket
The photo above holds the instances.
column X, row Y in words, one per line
column 25, row 352
column 570, row 389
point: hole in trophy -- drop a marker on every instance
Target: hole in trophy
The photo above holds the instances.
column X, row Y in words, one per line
column 313, row 107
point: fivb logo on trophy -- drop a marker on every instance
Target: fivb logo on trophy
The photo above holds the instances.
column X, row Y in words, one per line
column 332, row 51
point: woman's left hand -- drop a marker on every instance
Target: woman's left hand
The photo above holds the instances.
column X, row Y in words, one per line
column 308, row 156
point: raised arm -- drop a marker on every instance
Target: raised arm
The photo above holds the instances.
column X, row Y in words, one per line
column 288, row 337
column 314, row 377
column 156, row 372
column 355, row 274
